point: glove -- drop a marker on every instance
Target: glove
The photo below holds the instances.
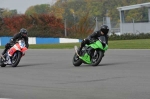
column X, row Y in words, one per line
column 11, row 41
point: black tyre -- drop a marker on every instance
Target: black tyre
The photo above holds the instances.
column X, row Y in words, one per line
column 97, row 58
column 2, row 63
column 76, row 60
column 16, row 59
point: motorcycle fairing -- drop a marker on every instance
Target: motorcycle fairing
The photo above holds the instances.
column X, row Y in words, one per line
column 18, row 46
column 98, row 45
column 95, row 45
column 86, row 58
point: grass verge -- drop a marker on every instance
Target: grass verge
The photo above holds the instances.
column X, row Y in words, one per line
column 116, row 44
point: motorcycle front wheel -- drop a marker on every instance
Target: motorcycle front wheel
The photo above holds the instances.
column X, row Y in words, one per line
column 96, row 58
column 16, row 59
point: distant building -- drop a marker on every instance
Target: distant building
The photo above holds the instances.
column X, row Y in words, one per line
column 141, row 27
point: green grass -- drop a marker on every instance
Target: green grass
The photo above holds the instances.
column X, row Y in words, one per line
column 54, row 46
column 130, row 44
column 117, row 44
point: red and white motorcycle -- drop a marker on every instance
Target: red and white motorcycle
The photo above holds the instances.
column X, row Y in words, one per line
column 14, row 54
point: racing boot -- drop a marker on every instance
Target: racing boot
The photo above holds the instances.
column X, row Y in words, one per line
column 3, row 55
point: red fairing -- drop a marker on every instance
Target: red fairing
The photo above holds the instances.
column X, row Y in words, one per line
column 11, row 51
column 16, row 47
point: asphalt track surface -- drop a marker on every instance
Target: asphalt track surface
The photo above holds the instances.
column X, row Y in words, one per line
column 49, row 74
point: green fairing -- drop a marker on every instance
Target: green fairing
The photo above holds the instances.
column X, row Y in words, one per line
column 95, row 45
column 86, row 58
column 99, row 45
column 106, row 47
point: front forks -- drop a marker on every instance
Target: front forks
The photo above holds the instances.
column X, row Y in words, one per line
column 95, row 53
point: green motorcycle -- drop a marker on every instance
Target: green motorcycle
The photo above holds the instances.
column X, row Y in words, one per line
column 91, row 54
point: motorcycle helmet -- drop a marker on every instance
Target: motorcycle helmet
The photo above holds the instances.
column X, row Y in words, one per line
column 23, row 32
column 104, row 29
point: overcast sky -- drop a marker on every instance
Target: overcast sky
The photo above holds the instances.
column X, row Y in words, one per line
column 22, row 5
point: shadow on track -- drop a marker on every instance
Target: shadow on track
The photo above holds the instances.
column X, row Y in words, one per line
column 105, row 64
column 112, row 64
column 26, row 65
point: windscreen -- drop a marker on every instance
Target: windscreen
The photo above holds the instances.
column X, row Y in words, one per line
column 21, row 43
column 102, row 39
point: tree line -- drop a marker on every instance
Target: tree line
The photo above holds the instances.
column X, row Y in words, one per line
column 48, row 20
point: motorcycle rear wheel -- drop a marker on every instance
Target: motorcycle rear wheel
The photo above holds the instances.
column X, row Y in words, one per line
column 1, row 63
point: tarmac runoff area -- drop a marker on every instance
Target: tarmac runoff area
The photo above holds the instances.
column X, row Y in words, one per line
column 49, row 74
